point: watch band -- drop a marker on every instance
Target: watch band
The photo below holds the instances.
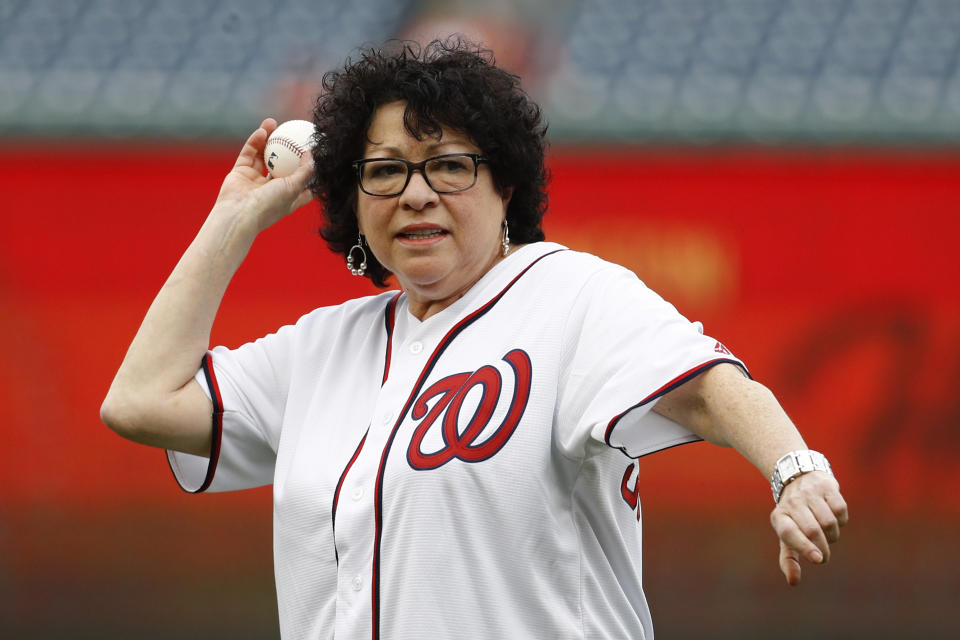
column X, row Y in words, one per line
column 795, row 464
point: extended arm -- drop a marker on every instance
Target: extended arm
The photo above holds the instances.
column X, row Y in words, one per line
column 725, row 407
column 154, row 399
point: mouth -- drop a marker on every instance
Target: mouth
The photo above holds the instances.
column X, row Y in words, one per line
column 421, row 234
column 425, row 233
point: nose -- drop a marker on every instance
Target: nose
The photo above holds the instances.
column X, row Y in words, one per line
column 418, row 195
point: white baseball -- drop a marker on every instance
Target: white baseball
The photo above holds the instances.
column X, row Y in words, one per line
column 286, row 144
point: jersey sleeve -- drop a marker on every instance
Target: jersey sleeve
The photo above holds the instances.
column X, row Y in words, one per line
column 626, row 347
column 248, row 388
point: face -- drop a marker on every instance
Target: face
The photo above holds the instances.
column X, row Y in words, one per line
column 438, row 245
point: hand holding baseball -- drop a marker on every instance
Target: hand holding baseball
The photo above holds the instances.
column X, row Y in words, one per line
column 252, row 192
column 286, row 145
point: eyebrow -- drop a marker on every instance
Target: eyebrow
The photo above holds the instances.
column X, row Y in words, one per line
column 395, row 151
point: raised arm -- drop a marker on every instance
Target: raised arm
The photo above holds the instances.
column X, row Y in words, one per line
column 154, row 398
column 725, row 407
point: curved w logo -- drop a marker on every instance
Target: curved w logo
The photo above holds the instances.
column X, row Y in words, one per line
column 449, row 395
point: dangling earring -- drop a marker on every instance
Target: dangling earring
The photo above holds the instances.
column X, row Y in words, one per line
column 357, row 271
column 505, row 240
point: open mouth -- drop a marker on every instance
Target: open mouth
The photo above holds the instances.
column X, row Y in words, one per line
column 422, row 234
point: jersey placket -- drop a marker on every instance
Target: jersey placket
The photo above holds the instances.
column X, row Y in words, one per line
column 357, row 509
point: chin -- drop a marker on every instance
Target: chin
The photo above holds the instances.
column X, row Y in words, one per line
column 422, row 273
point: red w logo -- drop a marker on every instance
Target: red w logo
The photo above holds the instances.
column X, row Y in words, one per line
column 451, row 393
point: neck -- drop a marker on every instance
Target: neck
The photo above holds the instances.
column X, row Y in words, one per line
column 424, row 301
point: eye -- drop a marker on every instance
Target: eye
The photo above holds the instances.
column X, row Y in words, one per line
column 381, row 170
column 453, row 165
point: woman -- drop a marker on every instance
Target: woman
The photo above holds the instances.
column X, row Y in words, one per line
column 455, row 459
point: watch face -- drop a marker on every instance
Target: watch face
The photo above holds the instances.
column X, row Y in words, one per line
column 805, row 460
column 794, row 464
column 788, row 467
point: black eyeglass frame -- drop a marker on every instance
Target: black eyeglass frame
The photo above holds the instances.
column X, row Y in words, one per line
column 421, row 167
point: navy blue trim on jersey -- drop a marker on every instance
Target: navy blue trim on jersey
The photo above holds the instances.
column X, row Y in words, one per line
column 424, row 374
column 336, row 493
column 662, row 391
column 216, row 433
column 389, row 322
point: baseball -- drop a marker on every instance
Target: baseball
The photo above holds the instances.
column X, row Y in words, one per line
column 285, row 145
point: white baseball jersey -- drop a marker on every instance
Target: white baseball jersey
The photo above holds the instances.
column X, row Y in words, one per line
column 469, row 476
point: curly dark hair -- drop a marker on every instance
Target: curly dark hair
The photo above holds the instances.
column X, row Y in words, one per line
column 451, row 83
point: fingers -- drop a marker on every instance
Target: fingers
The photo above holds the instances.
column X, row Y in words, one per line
column 807, row 521
column 279, row 197
column 826, row 519
column 838, row 506
column 802, row 533
column 790, row 564
column 300, row 180
column 251, row 155
column 303, row 198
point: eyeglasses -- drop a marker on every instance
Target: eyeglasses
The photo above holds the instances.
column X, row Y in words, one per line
column 448, row 173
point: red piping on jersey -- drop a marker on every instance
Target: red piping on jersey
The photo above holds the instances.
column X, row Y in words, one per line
column 434, row 357
column 670, row 386
column 630, row 495
column 217, row 420
column 336, row 494
column 389, row 321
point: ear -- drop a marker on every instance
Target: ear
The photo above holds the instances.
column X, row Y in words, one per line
column 505, row 195
column 356, row 216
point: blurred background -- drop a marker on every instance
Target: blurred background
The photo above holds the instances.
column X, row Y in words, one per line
column 785, row 171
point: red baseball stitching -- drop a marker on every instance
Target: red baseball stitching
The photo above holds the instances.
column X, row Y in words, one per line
column 289, row 144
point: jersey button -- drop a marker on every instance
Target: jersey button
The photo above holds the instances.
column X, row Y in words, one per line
column 416, row 347
column 357, row 583
column 357, row 494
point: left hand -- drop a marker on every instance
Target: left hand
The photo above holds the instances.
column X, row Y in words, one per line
column 807, row 521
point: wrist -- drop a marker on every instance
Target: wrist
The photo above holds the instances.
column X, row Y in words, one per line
column 229, row 229
column 793, row 465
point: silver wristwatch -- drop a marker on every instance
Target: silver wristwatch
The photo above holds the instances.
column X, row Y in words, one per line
column 793, row 465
